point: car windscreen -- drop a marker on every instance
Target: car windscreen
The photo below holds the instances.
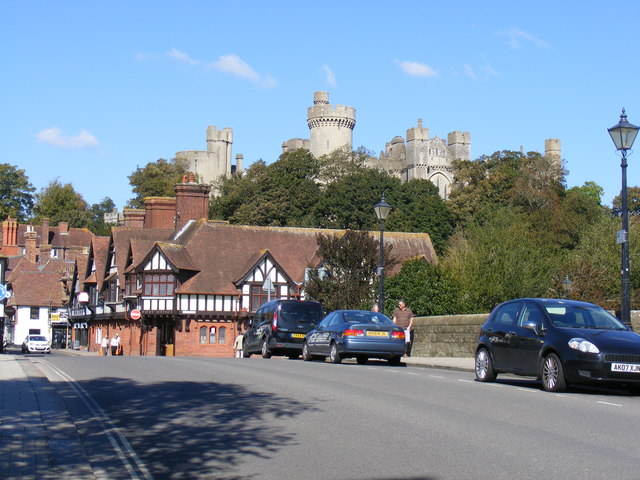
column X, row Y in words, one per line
column 37, row 338
column 367, row 317
column 564, row 316
column 300, row 312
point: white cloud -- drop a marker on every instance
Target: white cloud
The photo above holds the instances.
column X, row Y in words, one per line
column 234, row 65
column 469, row 71
column 56, row 137
column 515, row 36
column 182, row 57
column 417, row 69
column 331, row 77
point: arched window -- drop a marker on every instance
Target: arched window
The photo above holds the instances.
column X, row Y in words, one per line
column 222, row 335
column 212, row 335
column 203, row 334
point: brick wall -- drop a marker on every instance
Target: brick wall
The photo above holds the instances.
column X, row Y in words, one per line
column 187, row 343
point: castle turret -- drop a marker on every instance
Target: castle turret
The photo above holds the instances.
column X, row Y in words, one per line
column 552, row 149
column 459, row 144
column 331, row 126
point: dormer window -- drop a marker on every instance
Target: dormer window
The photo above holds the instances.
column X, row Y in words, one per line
column 159, row 284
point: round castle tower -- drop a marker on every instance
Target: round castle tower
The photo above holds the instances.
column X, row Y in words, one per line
column 331, row 126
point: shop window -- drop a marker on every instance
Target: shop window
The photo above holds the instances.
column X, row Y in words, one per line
column 203, row 334
column 222, row 335
column 212, row 335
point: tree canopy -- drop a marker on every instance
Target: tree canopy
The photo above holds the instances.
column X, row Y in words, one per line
column 61, row 203
column 16, row 193
column 156, row 179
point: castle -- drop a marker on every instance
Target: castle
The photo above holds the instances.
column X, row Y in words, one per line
column 331, row 128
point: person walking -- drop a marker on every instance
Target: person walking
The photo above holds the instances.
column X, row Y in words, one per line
column 104, row 346
column 115, row 343
column 238, row 345
column 403, row 317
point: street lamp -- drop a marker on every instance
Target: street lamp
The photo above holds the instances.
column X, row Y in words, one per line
column 623, row 135
column 566, row 286
column 382, row 210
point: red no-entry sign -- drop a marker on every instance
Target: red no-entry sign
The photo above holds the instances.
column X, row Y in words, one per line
column 135, row 314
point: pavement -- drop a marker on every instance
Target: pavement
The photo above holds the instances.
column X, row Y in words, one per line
column 38, row 439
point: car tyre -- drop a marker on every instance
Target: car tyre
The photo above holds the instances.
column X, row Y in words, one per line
column 484, row 366
column 552, row 374
column 306, row 356
column 265, row 349
column 395, row 360
column 362, row 360
column 334, row 356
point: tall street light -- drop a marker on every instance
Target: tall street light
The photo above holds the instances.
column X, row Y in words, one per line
column 382, row 210
column 623, row 135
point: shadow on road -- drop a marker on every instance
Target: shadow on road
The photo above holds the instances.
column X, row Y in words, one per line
column 195, row 430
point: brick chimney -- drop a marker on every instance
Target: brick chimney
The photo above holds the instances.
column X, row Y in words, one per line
column 160, row 212
column 44, row 232
column 133, row 218
column 192, row 202
column 31, row 252
column 63, row 228
column 10, row 237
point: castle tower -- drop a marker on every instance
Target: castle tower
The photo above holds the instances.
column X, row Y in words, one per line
column 331, row 126
column 459, row 145
column 552, row 149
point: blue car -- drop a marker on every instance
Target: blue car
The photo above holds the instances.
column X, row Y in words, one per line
column 355, row 334
column 558, row 341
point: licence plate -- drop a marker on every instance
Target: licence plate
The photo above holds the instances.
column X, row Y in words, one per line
column 377, row 334
column 625, row 367
column 297, row 335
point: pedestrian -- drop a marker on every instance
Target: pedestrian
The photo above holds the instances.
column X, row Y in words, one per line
column 238, row 345
column 104, row 345
column 115, row 343
column 403, row 317
column 374, row 308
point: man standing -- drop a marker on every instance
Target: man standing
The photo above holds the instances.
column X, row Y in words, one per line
column 403, row 317
column 115, row 343
column 104, row 346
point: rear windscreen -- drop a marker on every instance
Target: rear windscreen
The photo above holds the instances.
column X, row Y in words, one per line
column 300, row 312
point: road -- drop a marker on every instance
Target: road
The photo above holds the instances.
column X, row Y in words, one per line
column 196, row 418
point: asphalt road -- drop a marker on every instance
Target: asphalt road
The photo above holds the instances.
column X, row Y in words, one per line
column 197, row 418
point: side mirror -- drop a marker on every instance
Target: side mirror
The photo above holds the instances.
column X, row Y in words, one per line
column 534, row 326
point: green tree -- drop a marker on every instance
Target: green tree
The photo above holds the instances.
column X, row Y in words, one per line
column 97, row 211
column 156, row 179
column 340, row 163
column 633, row 202
column 426, row 288
column 419, row 208
column 61, row 203
column 347, row 277
column 591, row 190
column 16, row 193
column 502, row 258
column 348, row 202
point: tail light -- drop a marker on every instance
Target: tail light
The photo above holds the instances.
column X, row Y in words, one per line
column 399, row 335
column 274, row 322
column 353, row 332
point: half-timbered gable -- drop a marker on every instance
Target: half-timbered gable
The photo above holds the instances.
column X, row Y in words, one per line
column 158, row 279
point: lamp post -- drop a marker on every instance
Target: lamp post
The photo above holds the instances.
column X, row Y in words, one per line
column 566, row 286
column 382, row 210
column 623, row 135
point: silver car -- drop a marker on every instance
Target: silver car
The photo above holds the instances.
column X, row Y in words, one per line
column 36, row 344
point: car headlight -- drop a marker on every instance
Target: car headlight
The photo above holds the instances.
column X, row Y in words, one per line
column 583, row 345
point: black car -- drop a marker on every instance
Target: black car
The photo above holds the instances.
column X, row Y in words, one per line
column 558, row 341
column 279, row 328
column 355, row 333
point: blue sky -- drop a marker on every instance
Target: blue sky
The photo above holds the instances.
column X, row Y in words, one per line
column 91, row 90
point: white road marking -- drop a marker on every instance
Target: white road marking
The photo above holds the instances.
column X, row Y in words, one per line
column 609, row 403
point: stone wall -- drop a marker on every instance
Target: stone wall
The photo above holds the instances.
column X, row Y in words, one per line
column 457, row 335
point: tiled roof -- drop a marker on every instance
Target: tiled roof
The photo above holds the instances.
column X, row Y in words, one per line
column 37, row 289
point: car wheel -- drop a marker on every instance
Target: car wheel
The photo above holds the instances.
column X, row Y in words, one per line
column 265, row 349
column 306, row 356
column 334, row 356
column 484, row 366
column 361, row 360
column 552, row 374
column 395, row 360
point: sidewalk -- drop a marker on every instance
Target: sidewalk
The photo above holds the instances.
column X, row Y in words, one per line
column 465, row 364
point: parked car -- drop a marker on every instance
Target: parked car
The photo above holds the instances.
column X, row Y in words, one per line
column 355, row 333
column 558, row 341
column 36, row 344
column 279, row 328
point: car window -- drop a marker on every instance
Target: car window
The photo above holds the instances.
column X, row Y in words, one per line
column 530, row 313
column 300, row 312
column 506, row 314
column 326, row 320
column 583, row 317
column 367, row 317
